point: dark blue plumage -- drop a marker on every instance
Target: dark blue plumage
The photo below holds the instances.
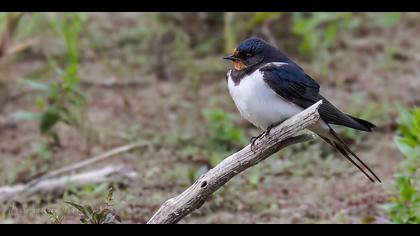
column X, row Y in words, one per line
column 256, row 60
column 296, row 86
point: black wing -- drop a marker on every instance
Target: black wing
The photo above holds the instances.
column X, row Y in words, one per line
column 290, row 82
column 293, row 84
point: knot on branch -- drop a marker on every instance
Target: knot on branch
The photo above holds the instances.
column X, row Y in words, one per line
column 203, row 184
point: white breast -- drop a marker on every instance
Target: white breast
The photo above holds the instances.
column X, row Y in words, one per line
column 258, row 103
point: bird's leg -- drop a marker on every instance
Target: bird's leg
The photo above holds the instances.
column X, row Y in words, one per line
column 260, row 136
column 267, row 132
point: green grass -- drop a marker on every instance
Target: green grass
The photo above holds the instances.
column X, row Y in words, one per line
column 61, row 100
column 404, row 207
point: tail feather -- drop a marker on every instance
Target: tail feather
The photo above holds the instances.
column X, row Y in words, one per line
column 342, row 147
column 332, row 115
column 369, row 126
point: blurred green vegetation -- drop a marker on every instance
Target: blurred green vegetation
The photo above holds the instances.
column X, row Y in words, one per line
column 224, row 135
column 60, row 100
column 404, row 207
column 223, row 132
column 103, row 214
column 187, row 44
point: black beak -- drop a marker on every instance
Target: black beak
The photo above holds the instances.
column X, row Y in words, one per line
column 231, row 57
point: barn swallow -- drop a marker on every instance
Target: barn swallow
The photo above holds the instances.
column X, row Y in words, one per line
column 269, row 88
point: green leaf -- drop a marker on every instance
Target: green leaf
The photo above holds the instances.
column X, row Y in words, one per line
column 54, row 93
column 49, row 119
column 54, row 66
column 41, row 149
column 407, row 191
column 330, row 34
column 36, row 85
column 77, row 206
column 404, row 147
column 299, row 27
column 26, row 115
column 28, row 27
column 307, row 45
column 40, row 102
column 89, row 210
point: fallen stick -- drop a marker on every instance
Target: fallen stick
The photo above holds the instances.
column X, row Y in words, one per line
column 21, row 47
column 105, row 174
column 85, row 163
column 173, row 210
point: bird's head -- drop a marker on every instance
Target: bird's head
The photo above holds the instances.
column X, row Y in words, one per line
column 249, row 53
column 253, row 52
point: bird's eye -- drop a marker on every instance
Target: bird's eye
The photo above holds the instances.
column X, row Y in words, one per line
column 248, row 54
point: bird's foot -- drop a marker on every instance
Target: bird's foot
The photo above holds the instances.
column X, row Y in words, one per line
column 254, row 139
column 260, row 136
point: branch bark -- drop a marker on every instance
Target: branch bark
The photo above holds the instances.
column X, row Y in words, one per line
column 174, row 209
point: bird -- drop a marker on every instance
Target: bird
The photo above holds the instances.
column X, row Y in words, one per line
column 268, row 88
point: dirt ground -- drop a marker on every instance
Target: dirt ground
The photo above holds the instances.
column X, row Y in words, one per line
column 307, row 183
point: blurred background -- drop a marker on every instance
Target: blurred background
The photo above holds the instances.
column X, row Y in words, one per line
column 76, row 85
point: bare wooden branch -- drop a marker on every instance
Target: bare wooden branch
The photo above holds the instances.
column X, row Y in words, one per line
column 173, row 210
column 105, row 174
